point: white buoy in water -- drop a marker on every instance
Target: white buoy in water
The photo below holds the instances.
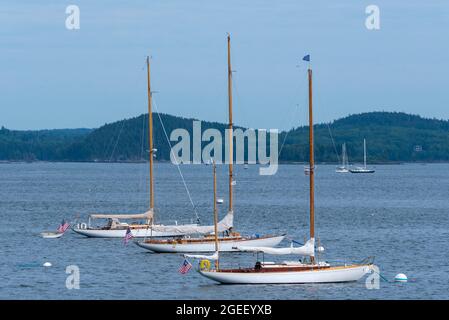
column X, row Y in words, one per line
column 320, row 249
column 47, row 264
column 220, row 201
column 400, row 277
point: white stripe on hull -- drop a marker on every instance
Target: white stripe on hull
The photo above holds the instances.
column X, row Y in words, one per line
column 137, row 233
column 210, row 246
column 312, row 276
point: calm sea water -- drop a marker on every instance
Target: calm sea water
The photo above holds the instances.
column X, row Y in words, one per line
column 399, row 215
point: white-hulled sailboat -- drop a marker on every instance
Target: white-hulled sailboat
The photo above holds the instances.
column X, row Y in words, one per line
column 344, row 161
column 363, row 169
column 308, row 271
column 228, row 240
column 115, row 228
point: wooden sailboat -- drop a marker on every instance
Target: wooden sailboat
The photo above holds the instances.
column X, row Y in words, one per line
column 115, row 228
column 308, row 271
column 228, row 240
column 209, row 243
column 344, row 161
column 363, row 169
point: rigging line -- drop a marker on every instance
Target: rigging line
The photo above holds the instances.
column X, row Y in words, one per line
column 265, row 185
column 117, row 140
column 96, row 185
column 333, row 142
column 381, row 276
column 294, row 241
column 285, row 139
column 177, row 164
column 142, row 138
column 142, row 170
column 329, row 129
column 108, row 146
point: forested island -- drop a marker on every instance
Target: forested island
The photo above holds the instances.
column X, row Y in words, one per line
column 391, row 137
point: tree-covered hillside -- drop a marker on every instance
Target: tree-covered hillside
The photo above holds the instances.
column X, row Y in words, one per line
column 44, row 145
column 127, row 140
column 391, row 137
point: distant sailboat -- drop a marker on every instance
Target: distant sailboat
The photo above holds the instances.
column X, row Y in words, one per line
column 363, row 169
column 307, row 271
column 115, row 228
column 344, row 161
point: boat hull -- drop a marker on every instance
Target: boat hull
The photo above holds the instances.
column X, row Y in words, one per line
column 120, row 233
column 329, row 275
column 51, row 235
column 224, row 246
column 361, row 171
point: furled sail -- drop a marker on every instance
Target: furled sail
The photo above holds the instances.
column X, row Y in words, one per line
column 223, row 225
column 147, row 215
column 306, row 250
column 201, row 256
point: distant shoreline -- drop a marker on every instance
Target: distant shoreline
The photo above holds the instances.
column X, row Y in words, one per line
column 281, row 162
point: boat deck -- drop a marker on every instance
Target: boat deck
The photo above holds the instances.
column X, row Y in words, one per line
column 286, row 268
column 206, row 239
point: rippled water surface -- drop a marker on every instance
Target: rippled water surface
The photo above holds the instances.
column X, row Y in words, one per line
column 399, row 215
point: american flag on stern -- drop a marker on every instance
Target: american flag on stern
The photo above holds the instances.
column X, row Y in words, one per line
column 128, row 235
column 63, row 227
column 185, row 267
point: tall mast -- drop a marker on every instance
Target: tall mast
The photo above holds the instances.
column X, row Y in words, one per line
column 215, row 214
column 364, row 152
column 343, row 154
column 231, row 148
column 150, row 135
column 312, row 163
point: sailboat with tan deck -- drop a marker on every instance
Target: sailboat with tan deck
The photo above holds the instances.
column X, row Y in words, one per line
column 309, row 270
column 228, row 240
column 363, row 169
column 146, row 227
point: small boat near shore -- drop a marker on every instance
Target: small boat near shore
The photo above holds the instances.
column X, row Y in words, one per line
column 344, row 161
column 363, row 169
column 51, row 235
column 56, row 234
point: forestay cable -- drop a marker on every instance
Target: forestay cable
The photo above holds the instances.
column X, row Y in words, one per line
column 333, row 142
column 177, row 164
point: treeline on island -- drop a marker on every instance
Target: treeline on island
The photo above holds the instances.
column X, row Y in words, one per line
column 391, row 137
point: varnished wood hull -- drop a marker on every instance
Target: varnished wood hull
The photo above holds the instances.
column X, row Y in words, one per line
column 209, row 245
column 319, row 275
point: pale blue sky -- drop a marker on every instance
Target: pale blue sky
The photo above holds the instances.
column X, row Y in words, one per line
column 51, row 77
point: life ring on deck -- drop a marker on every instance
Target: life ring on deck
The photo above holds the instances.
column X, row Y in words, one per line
column 205, row 265
column 83, row 226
